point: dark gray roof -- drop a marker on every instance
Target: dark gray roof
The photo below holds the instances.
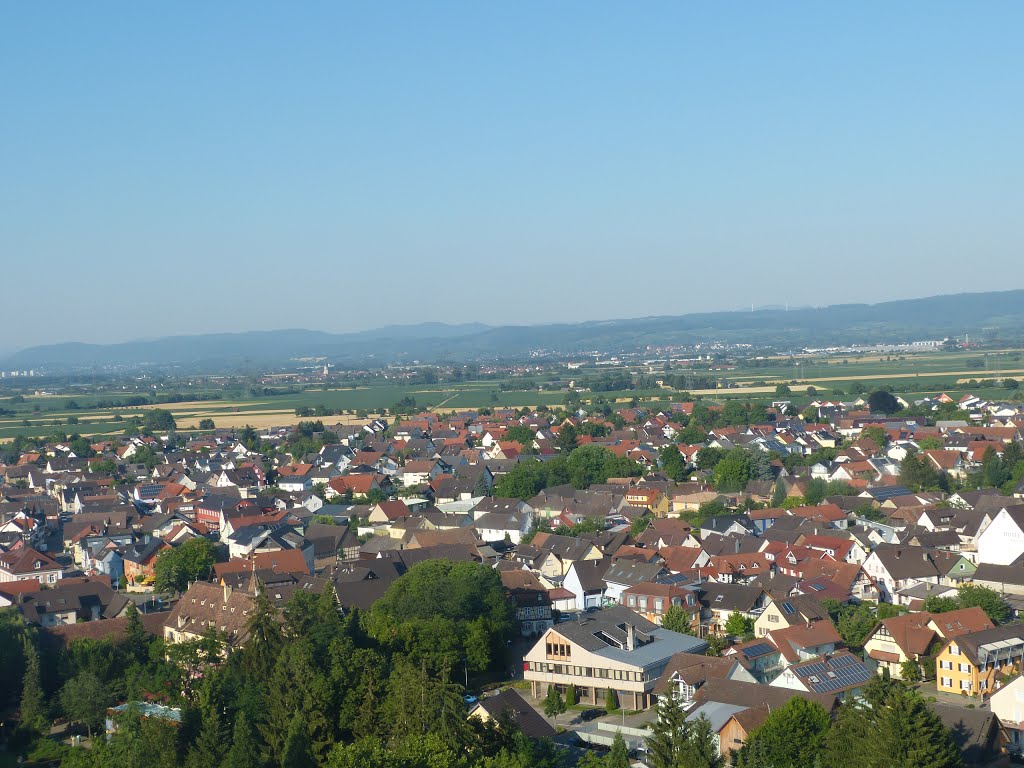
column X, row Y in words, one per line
column 511, row 707
column 606, row 633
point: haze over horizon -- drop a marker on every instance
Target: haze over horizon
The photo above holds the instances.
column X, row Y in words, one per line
column 197, row 169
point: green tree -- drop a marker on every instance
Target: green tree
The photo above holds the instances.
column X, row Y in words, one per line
column 881, row 401
column 611, row 700
column 676, row 619
column 739, row 625
column 990, row 601
column 876, row 435
column 84, row 700
column 910, row 671
column 244, row 751
column 206, row 424
column 158, row 420
column 672, row 463
column 521, row 435
column 570, row 696
column 618, row 755
column 34, row 710
column 892, row 728
column 782, row 390
column 445, row 614
column 209, row 747
column 178, row 567
column 553, row 703
column 296, row 752
column 993, row 471
column 666, row 746
column 567, row 439
column 791, row 737
column 732, row 473
column 701, row 746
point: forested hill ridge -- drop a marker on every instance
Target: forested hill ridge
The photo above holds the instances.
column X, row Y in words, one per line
column 1000, row 313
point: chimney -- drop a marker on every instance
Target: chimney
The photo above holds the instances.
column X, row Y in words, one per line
column 630, row 637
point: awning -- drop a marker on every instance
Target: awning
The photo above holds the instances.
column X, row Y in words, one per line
column 892, row 658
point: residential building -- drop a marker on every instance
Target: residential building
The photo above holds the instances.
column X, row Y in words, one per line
column 613, row 648
column 840, row 674
column 973, row 664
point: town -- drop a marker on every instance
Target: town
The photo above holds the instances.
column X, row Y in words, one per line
column 688, row 585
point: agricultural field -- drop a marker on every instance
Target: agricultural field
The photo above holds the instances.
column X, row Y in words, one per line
column 913, row 376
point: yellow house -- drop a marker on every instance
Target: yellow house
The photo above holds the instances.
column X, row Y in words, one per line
column 652, row 498
column 788, row 612
column 974, row 663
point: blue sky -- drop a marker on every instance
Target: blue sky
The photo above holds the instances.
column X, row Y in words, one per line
column 224, row 166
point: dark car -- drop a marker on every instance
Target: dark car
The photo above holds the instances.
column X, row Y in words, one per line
column 590, row 714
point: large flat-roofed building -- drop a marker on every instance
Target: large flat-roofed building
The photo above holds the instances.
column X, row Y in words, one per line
column 613, row 648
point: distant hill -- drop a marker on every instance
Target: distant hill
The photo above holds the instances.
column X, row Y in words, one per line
column 995, row 313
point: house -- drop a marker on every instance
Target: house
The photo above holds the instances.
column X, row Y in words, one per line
column 899, row 639
column 725, row 525
column 609, row 649
column 499, row 526
column 788, row 612
column 759, row 657
column 894, row 567
column 840, row 674
column 387, row 512
column 564, row 551
column 295, row 478
column 1002, row 542
column 686, row 673
column 979, row 734
column 805, row 641
column 205, row 606
column 1007, row 704
column 140, row 560
column 737, row 708
column 532, row 600
column 72, row 601
column 331, row 543
column 585, row 580
column 509, row 706
column 651, row 498
column 973, row 663
column 623, row 574
column 652, row 601
column 720, row 601
column 26, row 563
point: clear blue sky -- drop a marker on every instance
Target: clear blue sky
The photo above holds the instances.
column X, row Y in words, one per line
column 192, row 167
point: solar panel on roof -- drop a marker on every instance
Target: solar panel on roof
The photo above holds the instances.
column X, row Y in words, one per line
column 759, row 649
column 788, row 608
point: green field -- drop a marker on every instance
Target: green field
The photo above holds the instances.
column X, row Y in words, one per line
column 913, row 376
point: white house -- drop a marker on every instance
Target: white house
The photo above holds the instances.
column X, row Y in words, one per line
column 496, row 526
column 1002, row 542
column 1007, row 703
column 26, row 563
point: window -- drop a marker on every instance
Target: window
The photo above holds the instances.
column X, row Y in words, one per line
column 965, row 685
column 773, row 619
column 632, row 601
column 954, row 650
column 658, row 605
column 945, row 665
column 643, row 603
column 947, row 682
column 964, row 667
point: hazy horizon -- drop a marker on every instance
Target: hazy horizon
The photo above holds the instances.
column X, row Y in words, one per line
column 205, row 169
